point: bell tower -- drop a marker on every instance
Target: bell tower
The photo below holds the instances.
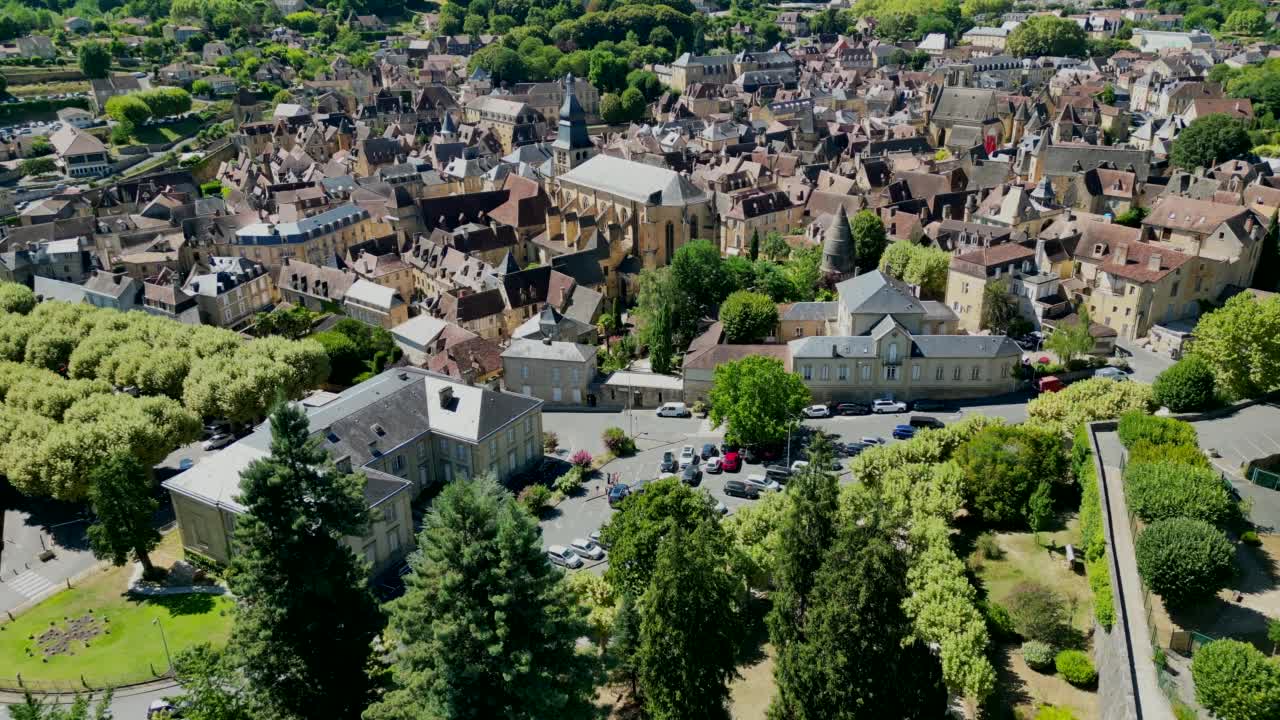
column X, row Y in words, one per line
column 572, row 146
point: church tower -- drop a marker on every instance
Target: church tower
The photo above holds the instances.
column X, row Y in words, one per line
column 838, row 253
column 572, row 146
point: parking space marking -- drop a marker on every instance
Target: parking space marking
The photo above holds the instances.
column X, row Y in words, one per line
column 30, row 584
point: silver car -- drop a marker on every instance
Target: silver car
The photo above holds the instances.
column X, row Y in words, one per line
column 762, row 484
column 564, row 557
column 588, row 549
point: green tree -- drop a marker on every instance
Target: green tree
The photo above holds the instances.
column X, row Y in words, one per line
column 1185, row 386
column 758, row 400
column 503, row 63
column 1047, row 35
column 1241, row 344
column 1004, row 465
column 1000, row 311
column 699, row 275
column 294, row 575
column 1246, row 21
column 33, row 708
column 633, row 104
column 775, row 247
column 16, row 298
column 486, row 626
column 624, row 644
column 869, row 238
column 608, row 72
column 128, row 110
column 1267, row 276
column 40, row 147
column 1183, row 559
column 1210, row 140
column 1132, row 217
column 213, row 688
column 95, row 59
column 37, row 166
column 611, row 109
column 803, row 273
column 120, row 493
column 748, row 317
column 924, row 267
column 1071, row 339
column 974, row 8
column 1235, row 681
column 635, row 531
column 754, row 252
column 687, row 628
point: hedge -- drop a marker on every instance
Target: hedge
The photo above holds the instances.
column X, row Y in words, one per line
column 1162, row 490
column 1135, row 427
column 1185, row 386
column 9, row 111
column 1184, row 560
column 1146, row 451
column 1093, row 539
column 1104, row 608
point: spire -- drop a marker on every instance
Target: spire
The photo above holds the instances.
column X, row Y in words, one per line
column 838, row 252
column 447, row 126
column 573, row 145
column 508, row 265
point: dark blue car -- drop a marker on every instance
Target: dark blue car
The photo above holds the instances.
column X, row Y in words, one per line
column 904, row 432
column 617, row 494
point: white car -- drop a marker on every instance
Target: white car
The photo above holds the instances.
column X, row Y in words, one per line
column 759, row 482
column 888, row 406
column 588, row 549
column 688, row 456
column 564, row 557
column 817, row 411
column 674, row 409
column 1111, row 373
column 218, row 441
column 713, row 464
column 799, row 465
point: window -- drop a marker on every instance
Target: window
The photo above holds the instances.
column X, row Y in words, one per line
column 371, row 553
column 843, row 372
column 511, row 460
column 389, row 512
column 524, row 372
column 1174, row 290
column 976, row 373
column 1004, row 371
column 528, row 424
column 826, row 373
column 893, row 353
column 397, row 463
column 955, row 375
column 555, row 394
column 575, row 376
column 891, row 372
column 937, row 374
column 806, row 371
column 511, row 436
column 444, row 445
column 577, row 395
column 555, row 376
column 393, row 540
column 799, row 332
column 528, row 449
column 460, row 451
column 526, row 390
column 915, row 372
column 866, row 372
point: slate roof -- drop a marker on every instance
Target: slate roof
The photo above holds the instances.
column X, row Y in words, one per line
column 635, row 181
column 875, row 293
column 556, row 350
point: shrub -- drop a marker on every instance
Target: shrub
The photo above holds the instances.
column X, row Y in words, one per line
column 16, row 298
column 570, row 482
column 1049, row 712
column 1185, row 386
column 1038, row 613
column 1104, row 608
column 581, row 459
column 1146, row 451
column 1161, row 490
column 748, row 317
column 535, row 498
column 989, row 546
column 999, row 623
column 1004, row 465
column 1183, row 559
column 1250, row 537
column 618, row 442
column 550, row 441
column 1137, row 426
column 1235, row 681
column 1087, row 401
column 1039, row 655
column 1075, row 667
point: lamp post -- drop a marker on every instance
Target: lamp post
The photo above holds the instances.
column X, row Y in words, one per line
column 167, row 657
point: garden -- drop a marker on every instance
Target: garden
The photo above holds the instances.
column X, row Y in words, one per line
column 97, row 635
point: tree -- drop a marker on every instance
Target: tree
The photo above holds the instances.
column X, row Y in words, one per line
column 611, row 109
column 748, row 317
column 1185, row 386
column 1235, row 681
column 687, row 628
column 503, row 63
column 809, row 522
column 120, row 493
column 1000, row 311
column 1047, row 35
column 974, row 8
column 128, row 110
column 1267, row 276
column 1086, row 401
column 1241, row 344
column 624, row 644
column 1246, row 21
column 923, row 267
column 869, row 238
column 757, row 398
column 295, row 577
column 40, row 147
column 1038, row 613
column 608, row 72
column 633, row 104
column 699, row 274
column 775, row 247
column 486, row 626
column 1210, row 140
column 95, row 59
column 37, row 166
column 1071, row 339
column 1003, row 465
column 16, row 298
column 1132, row 217
column 1183, row 559
column 212, row 687
column 1160, row 490
column 635, row 531
column 754, row 252
column 36, row 709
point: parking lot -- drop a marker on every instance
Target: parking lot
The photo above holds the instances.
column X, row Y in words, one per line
column 579, row 516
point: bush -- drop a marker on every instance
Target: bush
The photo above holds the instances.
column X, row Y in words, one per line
column 1183, row 559
column 1162, row 490
column 1039, row 655
column 1087, row 401
column 535, row 498
column 989, row 546
column 1235, row 681
column 1038, row 613
column 999, row 623
column 618, row 442
column 570, row 482
column 748, row 317
column 1186, row 386
column 1075, row 667
column 1104, row 608
column 1250, row 537
column 1049, row 712
column 1135, row 427
column 581, row 459
column 550, row 441
column 1004, row 465
column 16, row 298
column 1146, row 451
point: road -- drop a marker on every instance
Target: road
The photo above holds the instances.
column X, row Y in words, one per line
column 30, row 527
column 126, row 703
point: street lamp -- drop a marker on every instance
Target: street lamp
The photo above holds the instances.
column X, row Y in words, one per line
column 167, row 657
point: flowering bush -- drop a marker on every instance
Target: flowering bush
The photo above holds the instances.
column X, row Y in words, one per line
column 581, row 459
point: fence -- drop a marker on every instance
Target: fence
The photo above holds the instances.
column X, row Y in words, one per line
column 20, row 684
column 1265, row 479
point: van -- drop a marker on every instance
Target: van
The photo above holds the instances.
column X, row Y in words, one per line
column 674, row 409
column 925, row 421
column 1049, row 383
column 738, row 488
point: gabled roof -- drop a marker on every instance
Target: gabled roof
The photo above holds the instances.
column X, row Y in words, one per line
column 875, row 293
column 635, row 181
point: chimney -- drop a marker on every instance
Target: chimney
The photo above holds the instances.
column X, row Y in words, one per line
column 446, row 397
column 1121, row 254
column 115, row 279
column 1153, row 262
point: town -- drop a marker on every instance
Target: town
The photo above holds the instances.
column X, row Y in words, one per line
column 681, row 359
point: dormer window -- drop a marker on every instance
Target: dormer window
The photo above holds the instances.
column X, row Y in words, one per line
column 377, row 430
column 373, row 449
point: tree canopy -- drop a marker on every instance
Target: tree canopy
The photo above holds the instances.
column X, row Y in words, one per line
column 1209, row 141
column 758, row 400
column 748, row 317
column 869, row 238
column 120, row 493
column 644, row 519
column 1240, row 342
column 1047, row 35
column 924, row 267
column 95, row 59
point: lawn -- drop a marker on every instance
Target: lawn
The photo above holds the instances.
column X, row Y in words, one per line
column 153, row 134
column 126, row 646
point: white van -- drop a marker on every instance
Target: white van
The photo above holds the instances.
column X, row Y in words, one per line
column 674, row 409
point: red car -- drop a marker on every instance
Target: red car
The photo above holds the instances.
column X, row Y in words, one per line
column 731, row 462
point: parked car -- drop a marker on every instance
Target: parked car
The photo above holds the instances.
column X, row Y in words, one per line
column 740, row 488
column 731, row 462
column 185, row 464
column 926, row 421
column 220, row 440
column 714, row 465
column 888, row 406
column 778, row 473
column 762, row 484
column 691, row 475
column 162, row 708
column 674, row 409
column 588, row 549
column 799, row 465
column 853, row 448
column 709, row 450
column 564, row 557
column 754, row 455
column 1049, row 383
column 816, row 411
column 618, row 493
column 904, row 432
column 688, row 457
column 669, row 462
column 852, row 409
column 1111, row 373
column 871, row 440
column 932, row 406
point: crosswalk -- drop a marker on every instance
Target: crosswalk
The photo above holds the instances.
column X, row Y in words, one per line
column 29, row 584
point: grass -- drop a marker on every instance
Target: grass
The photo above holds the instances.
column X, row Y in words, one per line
column 49, row 88
column 154, row 134
column 133, row 646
